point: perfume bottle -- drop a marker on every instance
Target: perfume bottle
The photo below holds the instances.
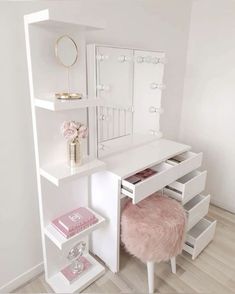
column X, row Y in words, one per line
column 74, row 255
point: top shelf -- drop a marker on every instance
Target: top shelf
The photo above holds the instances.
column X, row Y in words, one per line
column 57, row 19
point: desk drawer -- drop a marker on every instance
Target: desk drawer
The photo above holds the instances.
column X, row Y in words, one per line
column 199, row 237
column 166, row 173
column 196, row 209
column 185, row 188
column 186, row 162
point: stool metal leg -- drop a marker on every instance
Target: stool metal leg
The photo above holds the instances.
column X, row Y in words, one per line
column 150, row 267
column 173, row 265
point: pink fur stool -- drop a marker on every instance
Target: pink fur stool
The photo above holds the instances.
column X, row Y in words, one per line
column 153, row 230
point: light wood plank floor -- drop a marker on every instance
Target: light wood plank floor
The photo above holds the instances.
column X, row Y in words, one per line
column 212, row 272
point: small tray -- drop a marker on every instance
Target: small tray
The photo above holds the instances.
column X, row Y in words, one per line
column 68, row 96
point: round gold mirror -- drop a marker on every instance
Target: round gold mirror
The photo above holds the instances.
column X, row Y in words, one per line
column 66, row 51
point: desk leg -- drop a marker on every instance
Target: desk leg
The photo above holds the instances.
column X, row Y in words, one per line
column 105, row 194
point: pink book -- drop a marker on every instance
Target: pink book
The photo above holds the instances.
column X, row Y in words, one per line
column 76, row 218
column 70, row 275
column 77, row 230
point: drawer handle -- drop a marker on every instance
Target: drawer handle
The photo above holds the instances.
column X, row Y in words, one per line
column 189, row 244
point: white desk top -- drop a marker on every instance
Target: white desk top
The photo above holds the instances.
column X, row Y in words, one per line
column 129, row 162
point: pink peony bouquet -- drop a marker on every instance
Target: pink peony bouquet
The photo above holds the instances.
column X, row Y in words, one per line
column 72, row 130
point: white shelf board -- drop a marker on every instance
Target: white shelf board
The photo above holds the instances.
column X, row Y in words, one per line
column 60, row 284
column 63, row 19
column 60, row 173
column 60, row 241
column 54, row 104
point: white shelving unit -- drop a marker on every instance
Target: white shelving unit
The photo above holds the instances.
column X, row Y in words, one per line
column 60, row 189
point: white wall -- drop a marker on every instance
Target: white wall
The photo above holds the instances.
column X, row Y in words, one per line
column 20, row 244
column 208, row 120
column 155, row 24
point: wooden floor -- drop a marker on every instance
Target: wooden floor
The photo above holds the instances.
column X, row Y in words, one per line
column 212, row 272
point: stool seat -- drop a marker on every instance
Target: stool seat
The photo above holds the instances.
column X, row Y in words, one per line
column 154, row 229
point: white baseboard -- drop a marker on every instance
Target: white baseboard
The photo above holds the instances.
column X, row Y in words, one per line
column 22, row 279
column 223, row 206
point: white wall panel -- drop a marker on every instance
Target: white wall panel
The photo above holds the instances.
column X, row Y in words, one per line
column 208, row 121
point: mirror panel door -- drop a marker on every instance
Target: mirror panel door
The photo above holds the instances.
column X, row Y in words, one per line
column 148, row 79
column 114, row 84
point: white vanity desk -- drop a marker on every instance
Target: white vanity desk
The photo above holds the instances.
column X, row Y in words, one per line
column 123, row 87
column 109, row 187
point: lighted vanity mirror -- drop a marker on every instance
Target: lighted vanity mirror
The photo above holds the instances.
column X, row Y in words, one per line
column 66, row 51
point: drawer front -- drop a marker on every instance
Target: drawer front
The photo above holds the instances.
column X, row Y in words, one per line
column 205, row 238
column 187, row 187
column 195, row 244
column 190, row 164
column 194, row 186
column 196, row 209
column 153, row 184
column 192, row 161
column 187, row 162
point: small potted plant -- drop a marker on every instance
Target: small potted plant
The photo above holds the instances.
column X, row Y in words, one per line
column 74, row 132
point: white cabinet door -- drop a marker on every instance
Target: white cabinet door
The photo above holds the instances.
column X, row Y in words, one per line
column 114, row 84
column 148, row 79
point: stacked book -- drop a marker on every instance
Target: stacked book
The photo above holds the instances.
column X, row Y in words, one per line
column 140, row 176
column 74, row 221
